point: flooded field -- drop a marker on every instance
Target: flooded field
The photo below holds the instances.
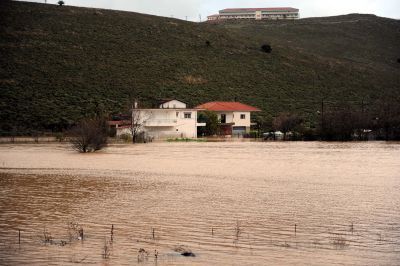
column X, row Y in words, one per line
column 229, row 203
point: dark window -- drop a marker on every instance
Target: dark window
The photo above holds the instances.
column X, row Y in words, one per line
column 223, row 118
column 242, row 116
column 188, row 115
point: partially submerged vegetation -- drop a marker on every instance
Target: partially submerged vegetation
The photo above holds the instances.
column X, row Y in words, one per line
column 186, row 140
column 89, row 135
column 343, row 123
column 75, row 232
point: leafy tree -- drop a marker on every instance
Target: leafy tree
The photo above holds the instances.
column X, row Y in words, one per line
column 211, row 120
column 61, row 3
column 264, row 123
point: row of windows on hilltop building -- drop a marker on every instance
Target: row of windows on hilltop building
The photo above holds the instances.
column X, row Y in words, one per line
column 256, row 13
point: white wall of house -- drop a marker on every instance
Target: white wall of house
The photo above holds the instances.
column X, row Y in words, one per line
column 236, row 117
column 166, row 123
column 241, row 119
column 187, row 124
column 123, row 131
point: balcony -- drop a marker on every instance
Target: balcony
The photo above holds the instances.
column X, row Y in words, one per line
column 160, row 123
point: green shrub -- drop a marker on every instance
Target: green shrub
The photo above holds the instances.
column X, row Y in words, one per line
column 126, row 137
column 266, row 48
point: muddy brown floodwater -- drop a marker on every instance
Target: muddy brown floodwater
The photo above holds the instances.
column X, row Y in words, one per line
column 229, row 203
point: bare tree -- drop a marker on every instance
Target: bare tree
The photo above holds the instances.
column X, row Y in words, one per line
column 89, row 135
column 138, row 119
column 287, row 122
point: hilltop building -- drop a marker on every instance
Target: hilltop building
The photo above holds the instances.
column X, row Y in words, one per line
column 234, row 117
column 256, row 13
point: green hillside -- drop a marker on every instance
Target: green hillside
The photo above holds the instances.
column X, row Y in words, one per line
column 59, row 64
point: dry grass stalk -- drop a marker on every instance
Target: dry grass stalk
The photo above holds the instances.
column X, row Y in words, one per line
column 142, row 255
column 47, row 238
column 75, row 231
column 238, row 230
column 106, row 249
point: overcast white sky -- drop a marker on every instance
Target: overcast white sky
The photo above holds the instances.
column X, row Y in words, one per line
column 192, row 8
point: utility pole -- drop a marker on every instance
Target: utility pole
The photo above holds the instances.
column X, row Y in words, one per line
column 322, row 117
column 363, row 120
column 322, row 109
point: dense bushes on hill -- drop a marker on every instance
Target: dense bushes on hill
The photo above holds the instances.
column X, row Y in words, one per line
column 59, row 65
column 266, row 48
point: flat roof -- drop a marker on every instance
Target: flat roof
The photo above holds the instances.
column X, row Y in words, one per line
column 235, row 10
column 172, row 109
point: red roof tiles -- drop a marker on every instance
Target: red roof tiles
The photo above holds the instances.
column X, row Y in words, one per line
column 228, row 106
column 118, row 123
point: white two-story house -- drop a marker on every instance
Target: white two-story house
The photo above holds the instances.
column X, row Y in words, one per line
column 234, row 117
column 171, row 120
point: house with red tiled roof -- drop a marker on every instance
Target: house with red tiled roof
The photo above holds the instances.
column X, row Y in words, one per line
column 256, row 13
column 234, row 117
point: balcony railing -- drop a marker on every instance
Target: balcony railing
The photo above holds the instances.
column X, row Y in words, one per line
column 160, row 123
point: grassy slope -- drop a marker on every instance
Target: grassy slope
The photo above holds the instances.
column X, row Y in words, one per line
column 59, row 64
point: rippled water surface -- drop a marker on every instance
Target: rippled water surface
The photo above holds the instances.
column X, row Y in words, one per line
column 229, row 203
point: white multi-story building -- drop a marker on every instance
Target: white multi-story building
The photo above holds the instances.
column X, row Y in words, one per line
column 171, row 120
column 256, row 13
